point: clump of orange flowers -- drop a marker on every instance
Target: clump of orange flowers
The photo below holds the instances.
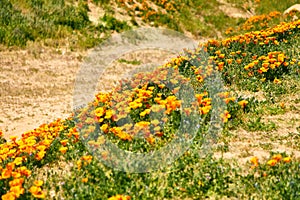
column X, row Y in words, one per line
column 243, row 103
column 262, row 168
column 263, row 37
column 16, row 189
column 254, row 161
column 256, row 22
column 275, row 159
column 265, row 65
column 31, row 143
column 146, row 94
column 120, row 197
column 85, row 160
column 36, row 189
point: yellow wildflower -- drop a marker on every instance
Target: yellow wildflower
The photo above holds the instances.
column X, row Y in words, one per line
column 287, row 159
column 38, row 183
column 63, row 149
column 243, row 103
column 277, row 157
column 277, row 81
column 272, row 162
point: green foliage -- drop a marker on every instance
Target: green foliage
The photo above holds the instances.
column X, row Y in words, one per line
column 132, row 62
column 274, row 182
column 258, row 125
column 43, row 19
column 22, row 21
column 37, row 20
column 101, row 2
column 266, row 6
column 2, row 140
column 111, row 23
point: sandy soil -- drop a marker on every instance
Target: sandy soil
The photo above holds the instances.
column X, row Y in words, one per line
column 36, row 88
column 231, row 11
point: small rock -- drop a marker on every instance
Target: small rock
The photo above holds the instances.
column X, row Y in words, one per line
column 102, row 35
column 295, row 7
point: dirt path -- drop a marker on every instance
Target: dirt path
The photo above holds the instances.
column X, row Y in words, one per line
column 36, row 88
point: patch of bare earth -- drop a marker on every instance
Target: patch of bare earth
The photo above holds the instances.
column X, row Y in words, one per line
column 285, row 139
column 232, row 11
column 119, row 70
column 95, row 12
column 35, row 88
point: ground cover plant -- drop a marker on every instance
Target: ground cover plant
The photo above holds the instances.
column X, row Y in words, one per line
column 68, row 23
column 51, row 22
column 260, row 70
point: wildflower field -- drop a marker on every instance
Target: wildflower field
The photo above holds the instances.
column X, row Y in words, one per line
column 255, row 155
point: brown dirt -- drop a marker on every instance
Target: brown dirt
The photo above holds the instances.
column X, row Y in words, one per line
column 36, row 87
column 95, row 12
column 232, row 11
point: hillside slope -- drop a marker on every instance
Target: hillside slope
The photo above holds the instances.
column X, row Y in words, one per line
column 255, row 154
